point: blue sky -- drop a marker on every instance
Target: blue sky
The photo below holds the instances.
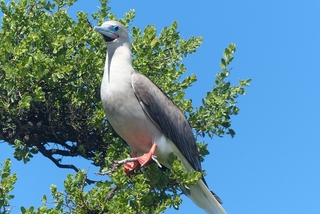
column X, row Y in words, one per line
column 273, row 163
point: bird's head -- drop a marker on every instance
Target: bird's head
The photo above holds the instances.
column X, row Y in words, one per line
column 112, row 31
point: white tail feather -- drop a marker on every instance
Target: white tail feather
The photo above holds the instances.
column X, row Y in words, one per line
column 199, row 193
column 201, row 196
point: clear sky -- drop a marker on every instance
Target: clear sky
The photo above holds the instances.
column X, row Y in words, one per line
column 273, row 163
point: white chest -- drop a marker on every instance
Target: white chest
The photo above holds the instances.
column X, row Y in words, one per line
column 127, row 117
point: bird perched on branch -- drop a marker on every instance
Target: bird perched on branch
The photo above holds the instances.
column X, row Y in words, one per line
column 145, row 117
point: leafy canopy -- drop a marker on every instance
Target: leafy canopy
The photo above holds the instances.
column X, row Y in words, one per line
column 50, row 74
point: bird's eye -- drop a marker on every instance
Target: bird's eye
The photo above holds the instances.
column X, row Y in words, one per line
column 115, row 28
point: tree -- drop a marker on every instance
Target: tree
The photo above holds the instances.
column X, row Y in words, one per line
column 50, row 74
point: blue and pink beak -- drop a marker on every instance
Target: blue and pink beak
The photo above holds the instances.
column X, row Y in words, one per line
column 109, row 32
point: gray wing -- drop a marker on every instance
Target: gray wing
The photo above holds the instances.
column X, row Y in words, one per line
column 167, row 116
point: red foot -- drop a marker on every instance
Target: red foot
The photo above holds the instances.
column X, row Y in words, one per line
column 142, row 160
column 130, row 166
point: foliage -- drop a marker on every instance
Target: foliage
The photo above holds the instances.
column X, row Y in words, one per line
column 6, row 185
column 50, row 74
column 213, row 117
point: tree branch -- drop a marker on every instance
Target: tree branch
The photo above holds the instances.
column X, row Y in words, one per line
column 62, row 152
column 47, row 154
column 111, row 193
column 117, row 164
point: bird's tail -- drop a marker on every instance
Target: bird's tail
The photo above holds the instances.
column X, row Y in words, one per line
column 202, row 196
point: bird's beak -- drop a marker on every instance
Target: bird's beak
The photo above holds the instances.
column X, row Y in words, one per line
column 106, row 32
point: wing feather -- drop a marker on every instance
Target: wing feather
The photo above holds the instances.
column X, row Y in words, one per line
column 167, row 116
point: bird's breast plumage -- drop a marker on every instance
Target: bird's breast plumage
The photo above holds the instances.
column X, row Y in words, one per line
column 126, row 116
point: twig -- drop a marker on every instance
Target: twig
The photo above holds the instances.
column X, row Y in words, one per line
column 111, row 193
column 117, row 164
column 89, row 23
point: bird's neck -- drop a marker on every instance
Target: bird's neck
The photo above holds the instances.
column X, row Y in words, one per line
column 118, row 62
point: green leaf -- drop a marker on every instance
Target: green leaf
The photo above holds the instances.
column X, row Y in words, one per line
column 44, row 199
column 23, row 210
column 25, row 101
column 154, row 42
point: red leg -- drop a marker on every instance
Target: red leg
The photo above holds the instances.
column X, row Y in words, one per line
column 142, row 160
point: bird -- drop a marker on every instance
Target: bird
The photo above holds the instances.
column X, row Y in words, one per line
column 146, row 118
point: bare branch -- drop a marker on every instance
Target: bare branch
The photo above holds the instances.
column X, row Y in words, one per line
column 62, row 152
column 111, row 193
